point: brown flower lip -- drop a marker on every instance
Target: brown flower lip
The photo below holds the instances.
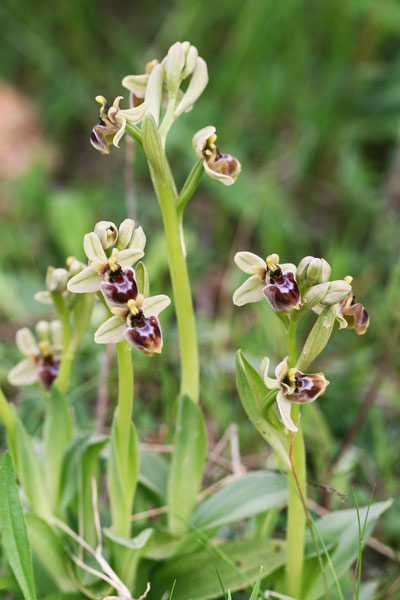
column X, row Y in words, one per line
column 120, row 286
column 307, row 387
column 355, row 314
column 281, row 291
column 144, row 333
column 48, row 368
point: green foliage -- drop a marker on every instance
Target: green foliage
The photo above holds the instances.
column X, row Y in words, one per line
column 14, row 536
column 190, row 446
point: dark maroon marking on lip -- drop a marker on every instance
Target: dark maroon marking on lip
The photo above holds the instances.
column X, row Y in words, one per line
column 282, row 292
column 48, row 368
column 307, row 388
column 120, row 286
column 144, row 333
column 357, row 317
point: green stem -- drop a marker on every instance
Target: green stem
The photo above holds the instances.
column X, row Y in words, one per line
column 296, row 519
column 190, row 186
column 125, row 402
column 164, row 186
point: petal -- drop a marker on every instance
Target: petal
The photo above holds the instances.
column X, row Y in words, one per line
column 250, row 263
column 282, row 293
column 87, row 280
column 288, row 267
column 134, row 115
column 93, row 248
column 271, row 383
column 44, row 297
column 200, row 138
column 145, row 334
column 225, row 179
column 24, row 373
column 284, row 409
column 359, row 318
column 281, row 369
column 127, row 257
column 111, row 332
column 26, row 342
column 122, row 126
column 153, row 305
column 250, row 291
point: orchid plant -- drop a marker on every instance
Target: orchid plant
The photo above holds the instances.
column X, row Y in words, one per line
column 145, row 532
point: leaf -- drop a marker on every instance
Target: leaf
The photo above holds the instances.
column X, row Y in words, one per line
column 153, row 473
column 121, row 488
column 252, row 392
column 186, row 471
column 341, row 527
column 127, row 553
column 142, row 279
column 250, row 495
column 317, row 338
column 57, row 434
column 195, row 574
column 14, row 535
column 30, row 472
column 45, row 543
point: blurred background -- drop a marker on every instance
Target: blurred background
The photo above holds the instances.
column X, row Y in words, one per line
column 307, row 95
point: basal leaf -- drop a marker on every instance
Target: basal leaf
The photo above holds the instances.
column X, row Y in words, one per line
column 14, row 536
column 186, row 471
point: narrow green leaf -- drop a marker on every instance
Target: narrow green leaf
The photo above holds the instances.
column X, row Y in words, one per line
column 253, row 392
column 121, row 489
column 250, row 495
column 14, row 535
column 57, row 434
column 153, row 473
column 317, row 338
column 341, row 527
column 30, row 473
column 190, row 448
column 195, row 573
column 256, row 589
column 127, row 553
column 49, row 550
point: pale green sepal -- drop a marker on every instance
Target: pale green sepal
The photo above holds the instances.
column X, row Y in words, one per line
column 153, row 96
column 173, row 67
column 136, row 84
column 24, row 373
column 186, row 471
column 250, row 263
column 129, row 256
column 125, row 233
column 93, row 248
column 86, row 281
column 250, row 291
column 44, row 297
column 26, row 342
column 337, row 291
column 317, row 338
column 111, row 331
column 138, row 240
column 153, row 305
column 252, row 394
column 285, row 407
column 311, row 298
column 122, row 482
column 15, row 540
column 195, row 88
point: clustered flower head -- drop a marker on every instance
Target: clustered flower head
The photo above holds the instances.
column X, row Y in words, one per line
column 111, row 252
column 42, row 355
column 222, row 167
column 294, row 387
column 292, row 290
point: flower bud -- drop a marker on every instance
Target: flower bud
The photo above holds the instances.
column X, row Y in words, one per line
column 336, row 291
column 191, row 54
column 154, row 92
column 195, row 88
column 107, row 233
column 313, row 271
column 43, row 330
column 125, row 233
column 56, row 280
column 74, row 266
